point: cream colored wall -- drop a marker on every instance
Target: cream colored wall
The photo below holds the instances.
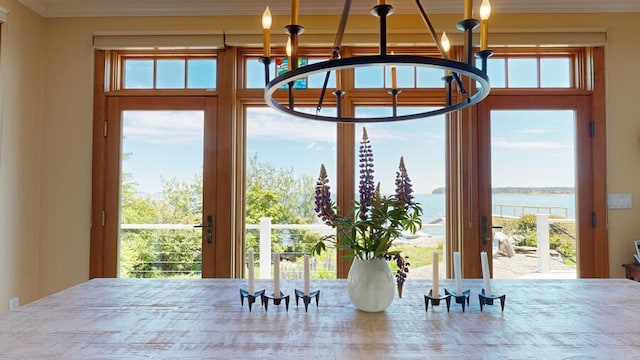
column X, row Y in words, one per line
column 66, row 137
column 21, row 75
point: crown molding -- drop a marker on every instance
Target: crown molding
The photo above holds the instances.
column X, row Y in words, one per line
column 104, row 8
column 39, row 6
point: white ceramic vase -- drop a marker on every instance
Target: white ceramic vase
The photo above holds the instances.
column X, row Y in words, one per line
column 371, row 285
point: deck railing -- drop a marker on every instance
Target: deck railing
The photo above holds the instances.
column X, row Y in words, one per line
column 191, row 263
column 513, row 210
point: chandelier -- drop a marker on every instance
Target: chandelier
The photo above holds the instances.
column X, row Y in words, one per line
column 453, row 70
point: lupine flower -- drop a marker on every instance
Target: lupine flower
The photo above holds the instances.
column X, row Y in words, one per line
column 404, row 189
column 324, row 206
column 367, row 187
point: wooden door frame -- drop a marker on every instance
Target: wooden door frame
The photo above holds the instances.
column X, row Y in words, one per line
column 589, row 200
column 106, row 182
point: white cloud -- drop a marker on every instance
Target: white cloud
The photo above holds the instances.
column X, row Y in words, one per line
column 164, row 127
column 533, row 131
column 264, row 123
column 533, row 145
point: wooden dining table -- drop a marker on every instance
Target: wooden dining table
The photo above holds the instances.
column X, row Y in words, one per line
column 204, row 319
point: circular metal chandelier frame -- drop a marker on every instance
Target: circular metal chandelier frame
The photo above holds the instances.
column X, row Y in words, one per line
column 287, row 79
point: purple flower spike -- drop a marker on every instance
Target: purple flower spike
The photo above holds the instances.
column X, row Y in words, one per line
column 324, row 206
column 367, row 186
column 404, row 189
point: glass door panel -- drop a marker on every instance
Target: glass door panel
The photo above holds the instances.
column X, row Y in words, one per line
column 161, row 186
column 283, row 158
column 533, row 177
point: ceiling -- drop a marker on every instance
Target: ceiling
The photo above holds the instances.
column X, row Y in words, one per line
column 79, row 8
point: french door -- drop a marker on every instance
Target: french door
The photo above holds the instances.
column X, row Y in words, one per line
column 159, row 192
column 573, row 124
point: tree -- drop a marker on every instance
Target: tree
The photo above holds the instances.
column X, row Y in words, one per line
column 271, row 192
column 158, row 253
column 278, row 194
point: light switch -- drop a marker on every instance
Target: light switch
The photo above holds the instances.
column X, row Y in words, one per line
column 619, row 201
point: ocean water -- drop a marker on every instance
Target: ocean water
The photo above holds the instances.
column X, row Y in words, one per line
column 433, row 205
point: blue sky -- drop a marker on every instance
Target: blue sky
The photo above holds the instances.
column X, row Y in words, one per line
column 529, row 148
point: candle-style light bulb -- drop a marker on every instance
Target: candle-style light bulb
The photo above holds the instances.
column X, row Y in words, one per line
column 288, row 50
column 485, row 12
column 446, row 46
column 444, row 42
column 266, row 26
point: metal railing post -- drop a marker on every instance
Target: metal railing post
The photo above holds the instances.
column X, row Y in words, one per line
column 542, row 227
column 265, row 248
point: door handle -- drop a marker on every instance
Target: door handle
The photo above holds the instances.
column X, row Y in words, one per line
column 485, row 231
column 209, row 229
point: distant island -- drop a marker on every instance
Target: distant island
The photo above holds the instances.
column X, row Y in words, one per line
column 556, row 190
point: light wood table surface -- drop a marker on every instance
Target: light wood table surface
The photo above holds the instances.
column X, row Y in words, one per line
column 201, row 319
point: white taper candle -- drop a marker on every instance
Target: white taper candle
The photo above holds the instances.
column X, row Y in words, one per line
column 306, row 275
column 276, row 275
column 434, row 288
column 457, row 271
column 250, row 259
column 486, row 275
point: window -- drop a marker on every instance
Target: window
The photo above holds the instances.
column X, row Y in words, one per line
column 460, row 138
column 145, row 71
column 532, row 70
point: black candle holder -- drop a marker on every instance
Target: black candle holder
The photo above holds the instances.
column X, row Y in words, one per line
column 468, row 25
column 266, row 61
column 338, row 94
column 251, row 298
column 394, row 93
column 306, row 300
column 488, row 300
column 460, row 299
column 276, row 300
column 435, row 300
column 484, row 55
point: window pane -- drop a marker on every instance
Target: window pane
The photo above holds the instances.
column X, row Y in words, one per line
column 533, row 171
column 255, row 73
column 523, row 73
column 138, row 74
column 555, row 73
column 364, row 112
column 404, row 77
column 496, row 72
column 282, row 66
column 422, row 144
column 369, row 77
column 317, row 80
column 429, row 78
column 282, row 168
column 170, row 74
column 202, row 73
column 161, row 193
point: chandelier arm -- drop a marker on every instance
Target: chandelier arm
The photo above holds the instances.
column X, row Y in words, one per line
column 337, row 43
column 443, row 53
column 323, row 91
column 432, row 31
column 335, row 54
